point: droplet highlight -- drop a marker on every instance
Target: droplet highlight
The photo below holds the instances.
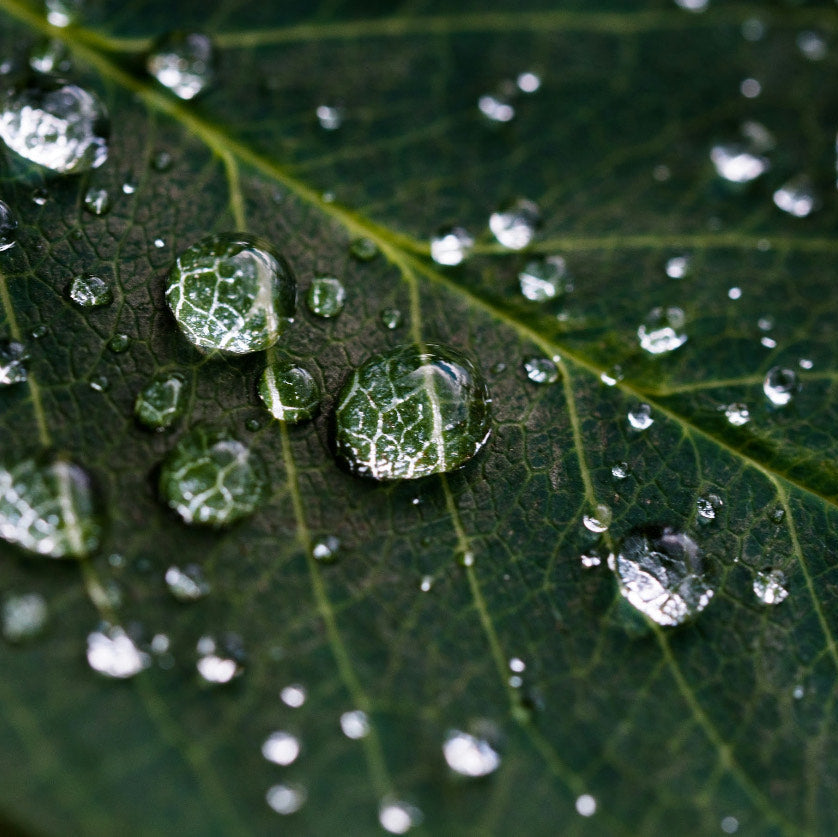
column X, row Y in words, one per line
column 326, row 296
column 780, row 385
column 545, row 278
column 514, row 225
column 161, row 402
column 468, row 755
column 185, row 62
column 769, row 587
column 451, row 246
column 89, row 291
column 8, row 227
column 289, row 392
column 662, row 331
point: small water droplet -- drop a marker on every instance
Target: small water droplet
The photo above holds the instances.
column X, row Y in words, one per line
column 541, row 370
column 411, row 411
column 326, row 296
column 99, row 383
column 659, row 572
column 286, row 799
column 517, row 664
column 528, row 82
column 708, row 507
column 159, row 243
column 451, row 245
column 736, row 164
column 545, row 278
column 427, row 583
column 187, row 584
column 391, row 318
column 515, row 224
column 289, row 392
column 730, row 825
column 737, row 414
column 161, row 161
column 693, row 5
column 798, row 692
column 90, row 291
column 769, row 586
column 50, row 55
column 780, row 385
column 590, row 561
column 40, row 196
column 63, row 13
column 612, row 378
column 55, row 124
column 253, row 424
column 468, row 755
column 112, row 652
column 600, row 520
column 13, row 357
column 326, row 550
column 496, row 107
column 363, row 249
column 640, row 417
column 586, row 804
column 330, row 117
column 734, row 293
column 797, row 197
column 119, row 343
column 750, row 88
column 23, row 616
column 293, row 695
column 39, row 331
column 220, row 662
column 281, row 747
column 184, row 62
column 753, row 29
column 662, row 330
column 464, row 557
column 812, row 45
column 765, row 323
column 97, row 201
column 620, row 470
column 678, row 267
column 161, row 402
column 211, row 479
column 8, row 227
column 768, row 342
column 398, row 816
column 355, row 724
column 231, row 291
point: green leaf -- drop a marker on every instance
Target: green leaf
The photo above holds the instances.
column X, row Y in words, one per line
column 454, row 602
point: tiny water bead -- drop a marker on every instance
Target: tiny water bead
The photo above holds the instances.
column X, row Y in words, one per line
column 541, row 370
column 391, row 318
column 23, row 616
column 55, row 124
column 468, row 755
column 330, row 117
column 355, row 724
column 119, row 343
column 363, row 249
column 50, row 55
column 735, row 163
column 496, row 107
column 281, row 748
column 8, row 227
column 161, row 402
column 545, row 278
column 326, row 550
column 293, row 695
column 231, row 291
column 662, row 331
column 659, row 571
column 48, row 509
column 289, row 392
column 286, row 799
column 187, row 584
column 737, row 414
column 620, row 470
column 162, row 161
column 112, row 653
column 326, row 296
column 585, row 805
column 780, row 385
column 678, row 267
column 13, row 357
column 797, row 197
column 812, row 45
column 640, row 417
column 451, row 245
column 528, row 82
column 211, row 479
column 411, row 411
column 220, row 662
column 515, row 224
column 708, row 507
column 589, row 561
column 398, row 816
column 769, row 586
column 600, row 520
column 89, row 291
column 184, row 62
column 97, row 201
column 62, row 13
column 100, row 383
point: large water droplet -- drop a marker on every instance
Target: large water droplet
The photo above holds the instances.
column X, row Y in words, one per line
column 326, row 296
column 97, row 201
column 541, row 370
column 286, row 799
column 281, row 748
column 545, row 278
column 769, row 586
column 8, row 227
column 659, row 572
column 13, row 357
column 113, row 653
column 187, row 584
column 662, row 331
column 160, row 403
column 289, row 392
column 90, row 291
column 184, row 62
column 48, row 509
column 355, row 724
column 515, row 224
column 451, row 245
column 780, row 385
column 55, row 124
column 468, row 755
column 412, row 411
column 797, row 197
column 211, row 479
column 397, row 816
column 23, row 616
column 231, row 291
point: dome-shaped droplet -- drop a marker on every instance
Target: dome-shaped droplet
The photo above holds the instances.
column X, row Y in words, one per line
column 281, row 747
column 326, row 550
column 160, row 403
column 355, row 724
column 780, row 385
column 769, row 586
column 541, row 370
column 289, row 392
column 286, row 798
column 184, row 62
column 55, row 124
column 97, row 201
column 708, row 507
column 8, row 227
column 662, row 331
column 660, row 572
column 220, row 661
column 678, row 267
column 63, row 12
column 119, row 343
column 451, row 245
column 391, row 318
column 48, row 509
column 515, row 224
column 640, row 417
column 412, row 411
column 211, row 479
column 231, row 291
column 13, row 357
column 469, row 755
column 326, row 296
column 90, row 291
column 398, row 816
column 545, row 278
column 599, row 521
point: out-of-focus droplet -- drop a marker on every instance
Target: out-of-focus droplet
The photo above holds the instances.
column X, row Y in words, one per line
column 514, row 225
column 185, row 62
column 769, row 586
column 451, row 245
column 469, row 755
column 797, row 197
column 112, row 652
column 662, row 331
column 23, row 616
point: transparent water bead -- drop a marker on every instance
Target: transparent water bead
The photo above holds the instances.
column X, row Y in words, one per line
column 187, row 584
column 708, row 507
column 326, row 296
column 113, row 653
column 231, row 291
column 286, row 799
column 211, row 479
column 391, row 318
column 541, row 370
column 355, row 724
column 185, row 62
column 693, row 5
column 468, row 755
column 736, row 164
column 797, row 197
column 281, row 748
column 220, row 662
column 63, row 13
column 678, row 267
column 289, row 392
column 50, row 55
column 100, row 383
column 293, row 695
column 737, row 414
column 662, row 331
column 90, row 291
column 451, row 245
column 97, row 201
column 600, row 520
column 620, row 470
column 119, row 343
column 528, row 82
column 411, row 411
column 13, row 357
column 640, row 417
column 780, row 385
column 769, row 586
column 23, row 616
column 590, row 561
column 326, row 549
column 514, row 225
column 659, row 571
column 55, row 124
column 545, row 278
column 160, row 403
column 8, row 227
column 398, row 816
column 48, row 509
column 363, row 249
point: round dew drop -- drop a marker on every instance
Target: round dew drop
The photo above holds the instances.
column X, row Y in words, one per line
column 184, row 62
column 514, row 225
column 541, row 370
column 97, row 201
column 326, row 296
column 545, row 278
column 289, row 392
column 451, row 245
column 780, row 385
column 90, row 291
column 13, row 357
column 160, row 403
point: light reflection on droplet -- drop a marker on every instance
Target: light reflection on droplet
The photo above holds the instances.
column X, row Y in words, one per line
column 585, row 805
column 468, row 755
column 281, row 748
column 355, row 724
column 286, row 799
column 293, row 695
column 397, row 816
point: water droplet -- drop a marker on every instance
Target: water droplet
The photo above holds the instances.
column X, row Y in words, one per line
column 660, row 573
column 99, row 383
column 40, row 196
column 541, row 370
column 39, row 331
column 184, row 62
column 159, row 243
column 355, row 724
column 805, row 363
column 233, row 292
column 326, row 296
column 220, row 663
column 528, row 82
column 737, row 414
column 693, row 5
column 590, row 561
column 330, row 117
column 55, row 124
column 426, row 583
column 119, row 343
column 812, row 45
column 753, row 29
column 113, row 653
column 253, row 424
column 768, row 342
column 48, row 509
column 286, row 799
column 13, row 357
column 769, row 586
column 412, row 411
column 451, row 245
column 293, row 695
column 496, row 107
column 161, row 161
column 281, row 748
column 736, row 164
column 161, row 402
column 326, row 550
column 63, row 13
column 23, row 616
column 97, row 201
column 397, row 816
column 678, row 267
column 797, row 197
column 464, row 557
column 8, row 227
column 600, row 520
column 469, row 755
column 640, row 417
column 750, row 88
column 363, row 249
column 662, row 331
column 778, row 515
column 730, row 825
column 515, row 224
column 289, row 392
column 545, row 278
column 798, row 692
column 90, row 291
column 780, row 385
column 613, row 377
column 586, row 804
column 391, row 318
column 50, row 55
column 187, row 584
column 708, row 507
column 160, row 644
column 211, row 479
